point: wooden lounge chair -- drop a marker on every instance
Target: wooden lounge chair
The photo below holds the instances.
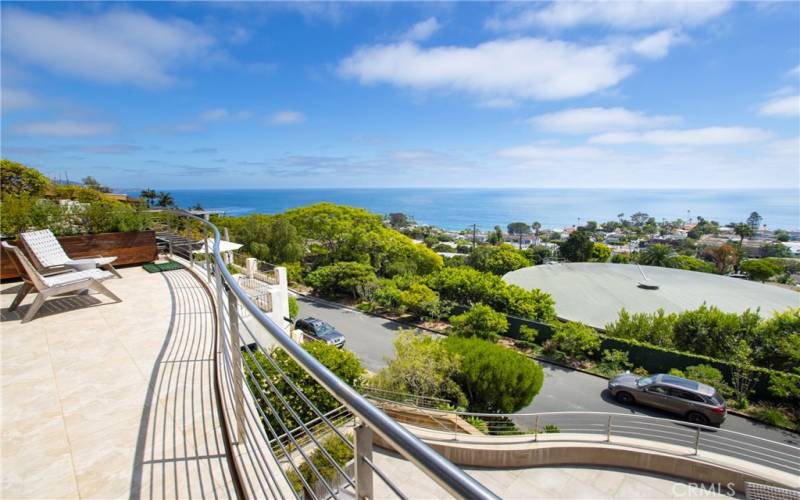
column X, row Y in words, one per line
column 49, row 286
column 49, row 255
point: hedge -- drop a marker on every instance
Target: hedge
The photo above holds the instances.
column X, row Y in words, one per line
column 657, row 359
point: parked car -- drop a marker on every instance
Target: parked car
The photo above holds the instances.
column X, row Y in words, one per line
column 698, row 403
column 319, row 330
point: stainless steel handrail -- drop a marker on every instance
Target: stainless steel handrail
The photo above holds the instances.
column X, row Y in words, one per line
column 435, row 466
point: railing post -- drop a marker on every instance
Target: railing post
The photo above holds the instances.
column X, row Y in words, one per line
column 236, row 362
column 363, row 472
column 697, row 440
column 536, row 429
column 608, row 429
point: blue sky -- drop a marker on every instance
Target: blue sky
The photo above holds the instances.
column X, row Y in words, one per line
column 627, row 94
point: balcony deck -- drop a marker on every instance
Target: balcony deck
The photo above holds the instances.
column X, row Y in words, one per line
column 103, row 400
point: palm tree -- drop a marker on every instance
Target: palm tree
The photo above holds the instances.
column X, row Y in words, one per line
column 743, row 231
column 149, row 195
column 165, row 199
column 536, row 226
column 656, row 255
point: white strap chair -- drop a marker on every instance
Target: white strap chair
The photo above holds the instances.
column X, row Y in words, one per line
column 49, row 286
column 50, row 257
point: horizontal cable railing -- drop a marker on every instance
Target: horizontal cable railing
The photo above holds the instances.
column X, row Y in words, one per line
column 287, row 445
column 635, row 430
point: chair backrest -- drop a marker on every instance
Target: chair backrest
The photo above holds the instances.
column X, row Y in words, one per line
column 45, row 248
column 24, row 266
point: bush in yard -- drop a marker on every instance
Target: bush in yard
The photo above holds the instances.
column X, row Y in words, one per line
column 575, row 340
column 495, row 379
column 294, row 308
column 338, row 450
column 787, row 387
column 711, row 332
column 778, row 344
column 480, row 321
column 261, row 373
column 420, row 300
column 16, row 179
column 528, row 334
column 653, row 328
column 340, row 278
column 760, row 269
column 422, row 366
column 614, row 362
column 601, row 252
column 620, row 258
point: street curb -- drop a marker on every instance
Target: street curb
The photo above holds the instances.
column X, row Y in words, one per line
column 375, row 315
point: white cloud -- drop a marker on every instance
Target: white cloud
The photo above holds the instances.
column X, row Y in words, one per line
column 17, row 99
column 552, row 155
column 628, row 15
column 64, row 128
column 113, row 47
column 708, row 136
column 287, row 117
column 596, row 119
column 782, row 106
column 422, row 30
column 524, row 68
column 658, row 44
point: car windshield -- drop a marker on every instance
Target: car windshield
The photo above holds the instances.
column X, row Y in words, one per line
column 644, row 381
column 322, row 328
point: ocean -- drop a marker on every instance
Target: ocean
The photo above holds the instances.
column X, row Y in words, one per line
column 456, row 209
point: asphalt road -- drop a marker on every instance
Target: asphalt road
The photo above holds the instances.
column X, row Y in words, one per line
column 371, row 339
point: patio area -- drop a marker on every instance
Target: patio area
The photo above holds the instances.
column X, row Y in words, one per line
column 103, row 399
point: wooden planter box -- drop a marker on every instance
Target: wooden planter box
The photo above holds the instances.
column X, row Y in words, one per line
column 135, row 247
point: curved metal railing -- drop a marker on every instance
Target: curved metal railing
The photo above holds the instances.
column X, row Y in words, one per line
column 267, row 417
column 658, row 434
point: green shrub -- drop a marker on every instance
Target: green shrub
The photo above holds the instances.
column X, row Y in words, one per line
column 601, row 252
column 420, row 300
column 17, row 179
column 773, row 416
column 656, row 328
column 339, row 451
column 478, row 423
column 760, row 269
column 614, row 362
column 341, row 278
column 528, row 334
column 551, row 429
column 480, row 321
column 620, row 258
column 575, row 340
column 294, row 308
column 494, row 378
column 110, row 216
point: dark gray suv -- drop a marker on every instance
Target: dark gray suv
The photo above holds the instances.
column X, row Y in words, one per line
column 699, row 403
column 319, row 330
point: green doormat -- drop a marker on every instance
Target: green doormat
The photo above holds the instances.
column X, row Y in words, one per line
column 162, row 267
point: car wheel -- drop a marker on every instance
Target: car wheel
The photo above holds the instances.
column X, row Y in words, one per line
column 697, row 418
column 624, row 398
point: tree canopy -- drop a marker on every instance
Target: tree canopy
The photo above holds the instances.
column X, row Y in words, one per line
column 479, row 321
column 16, row 179
column 578, row 247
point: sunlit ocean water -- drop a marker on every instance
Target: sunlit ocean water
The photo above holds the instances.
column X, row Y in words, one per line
column 458, row 208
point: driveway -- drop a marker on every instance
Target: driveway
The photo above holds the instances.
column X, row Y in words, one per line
column 371, row 339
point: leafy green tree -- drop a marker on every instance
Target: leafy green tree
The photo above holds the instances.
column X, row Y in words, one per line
column 786, row 386
column 165, row 199
column 149, row 196
column 399, row 220
column 342, row 277
column 420, row 300
column 519, row 229
column 497, row 259
column 711, row 332
column 536, row 226
column 16, row 179
column 494, row 378
column 92, row 183
column 480, row 321
column 688, row 263
column 656, row 328
column 760, row 269
column 781, row 235
column 578, row 247
column 575, row 340
column 754, row 221
column 741, row 372
column 743, row 231
column 262, row 375
column 656, row 255
column 538, row 254
column 495, row 237
column 422, row 366
column 601, row 252
column 778, row 341
column 774, row 250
